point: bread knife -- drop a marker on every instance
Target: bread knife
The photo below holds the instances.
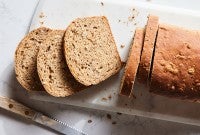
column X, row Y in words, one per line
column 26, row 112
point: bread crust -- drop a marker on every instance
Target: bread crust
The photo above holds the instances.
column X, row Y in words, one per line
column 132, row 63
column 26, row 58
column 176, row 68
column 148, row 47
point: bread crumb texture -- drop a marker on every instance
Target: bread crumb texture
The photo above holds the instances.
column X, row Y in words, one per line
column 52, row 68
column 26, row 59
column 90, row 50
column 176, row 68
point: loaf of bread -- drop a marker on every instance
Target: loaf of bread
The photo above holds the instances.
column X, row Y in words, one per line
column 90, row 50
column 52, row 68
column 148, row 47
column 176, row 68
column 132, row 63
column 26, row 58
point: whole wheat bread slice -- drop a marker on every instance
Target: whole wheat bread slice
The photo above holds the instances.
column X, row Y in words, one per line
column 26, row 58
column 148, row 48
column 90, row 50
column 132, row 63
column 52, row 68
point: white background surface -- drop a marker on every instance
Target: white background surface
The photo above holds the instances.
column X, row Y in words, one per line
column 15, row 17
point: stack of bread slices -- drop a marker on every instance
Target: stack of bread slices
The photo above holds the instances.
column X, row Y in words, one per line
column 63, row 62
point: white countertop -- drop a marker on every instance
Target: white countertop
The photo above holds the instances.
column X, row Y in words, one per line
column 15, row 17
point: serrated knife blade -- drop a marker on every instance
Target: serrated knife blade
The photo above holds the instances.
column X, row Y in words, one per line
column 18, row 108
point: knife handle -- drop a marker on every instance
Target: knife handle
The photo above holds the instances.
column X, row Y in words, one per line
column 16, row 107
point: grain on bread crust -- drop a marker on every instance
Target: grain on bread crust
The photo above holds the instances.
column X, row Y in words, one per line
column 132, row 63
column 148, row 47
column 52, row 68
column 176, row 68
column 26, row 58
column 90, row 50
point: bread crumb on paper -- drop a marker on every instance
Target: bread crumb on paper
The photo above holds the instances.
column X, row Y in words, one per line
column 122, row 46
column 41, row 15
column 102, row 4
column 109, row 116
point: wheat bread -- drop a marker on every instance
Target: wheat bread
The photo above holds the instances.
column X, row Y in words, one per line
column 26, row 58
column 176, row 68
column 52, row 68
column 132, row 63
column 90, row 50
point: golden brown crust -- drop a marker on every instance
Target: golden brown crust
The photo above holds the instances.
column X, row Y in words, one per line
column 26, row 58
column 148, row 47
column 132, row 63
column 176, row 68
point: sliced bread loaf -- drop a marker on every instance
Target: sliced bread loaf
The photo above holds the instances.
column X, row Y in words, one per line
column 148, row 47
column 26, row 58
column 52, row 68
column 90, row 50
column 132, row 63
column 176, row 68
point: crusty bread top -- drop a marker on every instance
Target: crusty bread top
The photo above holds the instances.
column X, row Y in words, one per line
column 52, row 68
column 26, row 57
column 90, row 50
column 176, row 67
column 148, row 47
column 132, row 63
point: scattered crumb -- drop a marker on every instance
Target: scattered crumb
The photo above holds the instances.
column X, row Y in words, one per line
column 141, row 94
column 89, row 121
column 109, row 116
column 148, row 0
column 122, row 46
column 114, row 122
column 41, row 15
column 104, row 99
column 131, row 18
column 41, row 23
column 126, row 104
column 114, row 93
column 102, row 4
column 135, row 23
column 119, row 113
column 119, row 20
column 109, row 97
column 133, row 9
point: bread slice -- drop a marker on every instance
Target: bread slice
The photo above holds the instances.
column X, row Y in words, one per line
column 176, row 68
column 52, row 68
column 132, row 63
column 90, row 50
column 26, row 58
column 148, row 47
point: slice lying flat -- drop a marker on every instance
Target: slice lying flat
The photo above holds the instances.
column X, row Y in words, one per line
column 52, row 68
column 26, row 59
column 176, row 68
column 90, row 50
column 148, row 47
column 132, row 63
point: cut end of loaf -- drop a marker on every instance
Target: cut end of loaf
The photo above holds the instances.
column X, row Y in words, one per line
column 90, row 50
